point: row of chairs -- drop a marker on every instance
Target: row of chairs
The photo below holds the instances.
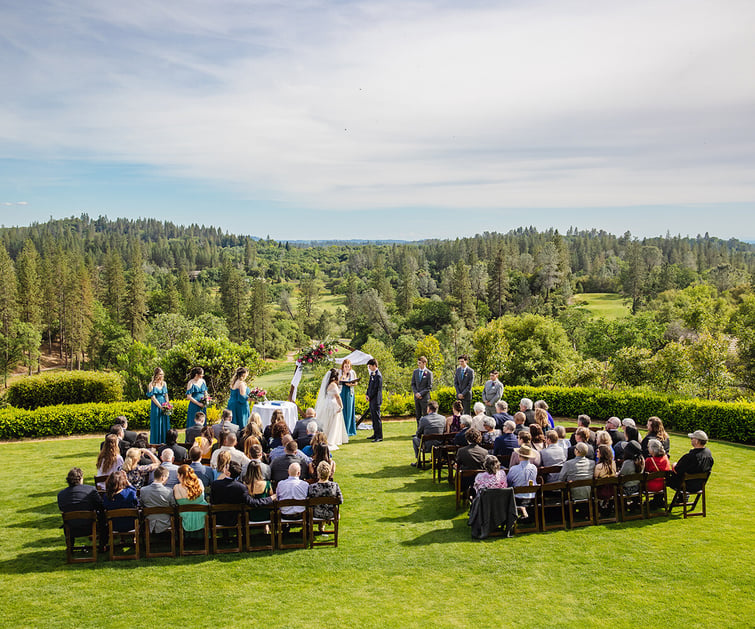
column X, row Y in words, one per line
column 278, row 530
column 555, row 506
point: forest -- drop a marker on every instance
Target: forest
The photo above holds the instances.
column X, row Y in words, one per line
column 125, row 295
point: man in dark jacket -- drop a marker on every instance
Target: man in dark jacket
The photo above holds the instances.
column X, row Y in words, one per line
column 697, row 461
column 228, row 490
column 79, row 497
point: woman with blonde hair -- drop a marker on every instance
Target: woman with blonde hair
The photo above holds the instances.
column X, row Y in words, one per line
column 251, row 431
column 541, row 419
column 238, row 402
column 205, row 442
column 109, row 459
column 538, row 438
column 190, row 491
column 159, row 420
column 134, row 471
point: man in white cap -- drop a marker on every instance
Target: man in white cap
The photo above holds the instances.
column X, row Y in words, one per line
column 697, row 461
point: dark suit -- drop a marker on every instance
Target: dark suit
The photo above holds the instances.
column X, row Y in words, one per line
column 279, row 467
column 471, row 457
column 179, row 452
column 375, row 395
column 231, row 492
column 463, row 381
column 422, row 383
column 300, row 430
column 501, row 419
column 79, row 498
column 433, row 424
column 505, row 444
column 192, row 433
column 224, row 425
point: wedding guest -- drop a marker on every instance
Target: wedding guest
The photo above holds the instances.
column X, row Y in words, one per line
column 156, row 494
column 278, row 429
column 305, row 442
column 196, row 393
column 171, row 441
column 205, row 443
column 501, row 414
column 258, row 487
column 506, row 443
column 300, row 430
column 525, row 439
column 79, row 497
column 489, row 433
column 460, row 440
column 205, row 474
column 159, row 420
column 538, row 437
column 657, row 461
column 225, row 423
column 581, row 467
column 129, row 436
column 552, row 455
column 541, row 419
column 493, row 477
column 134, row 471
column 581, row 435
column 238, row 401
column 190, row 491
column 230, row 446
column 479, row 416
column 120, row 495
column 525, row 406
column 656, row 431
column 523, row 473
column 562, row 440
column 255, row 455
column 632, row 434
column 605, row 468
column 292, row 488
column 612, row 428
column 324, row 488
column 196, row 430
column 109, row 459
column 633, row 464
column 697, row 461
column 166, row 457
column 472, row 456
column 253, row 430
column 321, row 454
column 453, row 423
column 542, row 404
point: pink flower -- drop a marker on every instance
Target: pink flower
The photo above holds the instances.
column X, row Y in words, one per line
column 309, row 360
column 322, row 346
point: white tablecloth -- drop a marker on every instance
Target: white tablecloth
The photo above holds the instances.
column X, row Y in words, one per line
column 290, row 412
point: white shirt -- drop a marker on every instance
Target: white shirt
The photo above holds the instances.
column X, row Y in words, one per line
column 236, row 455
column 293, row 488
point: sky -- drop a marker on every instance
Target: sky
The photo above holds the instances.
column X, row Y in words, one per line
column 384, row 119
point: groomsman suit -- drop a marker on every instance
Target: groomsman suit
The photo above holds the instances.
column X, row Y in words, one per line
column 422, row 383
column 463, row 380
column 375, row 396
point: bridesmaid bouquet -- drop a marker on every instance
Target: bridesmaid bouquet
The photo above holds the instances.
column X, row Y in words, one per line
column 257, row 394
column 208, row 401
column 167, row 408
column 320, row 353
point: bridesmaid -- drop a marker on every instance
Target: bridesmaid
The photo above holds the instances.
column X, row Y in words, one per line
column 159, row 422
column 196, row 390
column 347, row 379
column 238, row 403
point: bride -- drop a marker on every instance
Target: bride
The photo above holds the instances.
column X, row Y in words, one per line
column 329, row 410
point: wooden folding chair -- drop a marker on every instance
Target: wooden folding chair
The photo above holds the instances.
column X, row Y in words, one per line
column 422, row 455
column 575, row 503
column 450, row 461
column 544, row 472
column 531, row 504
column 629, row 501
column 205, row 550
column 610, row 515
column 504, row 460
column 222, row 532
column 553, row 499
column 148, row 543
column 464, row 480
column 122, row 539
column 89, row 551
column 330, row 525
column 100, row 479
column 288, row 521
column 254, row 526
column 684, row 496
column 655, row 497
column 438, row 459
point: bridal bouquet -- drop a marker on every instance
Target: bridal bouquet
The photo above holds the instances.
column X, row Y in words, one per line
column 167, row 408
column 320, row 353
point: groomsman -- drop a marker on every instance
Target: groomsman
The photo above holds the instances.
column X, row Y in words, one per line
column 492, row 391
column 375, row 398
column 422, row 383
column 463, row 380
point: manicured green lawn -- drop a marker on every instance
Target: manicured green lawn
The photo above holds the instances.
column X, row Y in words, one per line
column 607, row 305
column 405, row 559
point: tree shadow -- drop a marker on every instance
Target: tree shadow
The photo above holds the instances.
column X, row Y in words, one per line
column 86, row 454
column 451, row 535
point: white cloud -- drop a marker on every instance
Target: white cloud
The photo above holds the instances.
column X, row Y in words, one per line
column 548, row 104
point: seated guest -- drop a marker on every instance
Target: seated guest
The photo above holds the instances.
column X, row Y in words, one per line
column 324, row 488
column 579, row 468
column 123, row 445
column 656, row 431
column 489, row 433
column 306, row 441
column 302, row 426
column 431, row 424
column 228, row 490
column 581, row 435
column 460, row 440
column 627, row 422
column 129, row 436
column 167, row 462
column 253, row 430
column 519, row 419
column 524, row 473
column 506, row 443
column 604, row 468
column 120, row 495
column 190, row 491
column 229, row 445
column 562, row 440
column 631, row 433
column 552, row 455
column 472, row 456
column 524, row 439
column 501, row 414
column 633, row 463
column 603, row 438
column 171, row 441
column 255, row 454
column 192, row 432
column 279, row 468
column 249, row 442
column 319, row 438
column 538, row 437
column 697, row 461
column 453, row 423
column 276, row 429
column 612, row 428
column 292, row 488
column 584, row 421
column 479, row 416
column 79, row 497
column 541, row 420
column 320, row 454
column 205, row 442
column 525, row 407
column 225, row 423
column 257, row 485
column 281, row 449
column 203, row 473
column 156, row 494
column 493, row 477
column 542, row 404
column 656, row 462
column 134, row 471
column 109, row 459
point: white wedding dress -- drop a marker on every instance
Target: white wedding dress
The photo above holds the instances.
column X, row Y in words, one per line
column 329, row 415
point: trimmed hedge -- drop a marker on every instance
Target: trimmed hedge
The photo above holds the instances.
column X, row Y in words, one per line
column 65, row 387
column 69, row 419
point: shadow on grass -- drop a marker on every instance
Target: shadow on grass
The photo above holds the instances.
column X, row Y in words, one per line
column 42, row 522
column 77, row 455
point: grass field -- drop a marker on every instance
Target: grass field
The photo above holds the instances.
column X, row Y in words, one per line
column 405, row 559
column 607, row 305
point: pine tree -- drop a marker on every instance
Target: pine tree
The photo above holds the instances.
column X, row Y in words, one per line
column 30, row 305
column 135, row 307
column 8, row 313
column 114, row 286
column 233, row 299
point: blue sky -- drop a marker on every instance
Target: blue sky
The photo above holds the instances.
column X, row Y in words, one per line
column 382, row 119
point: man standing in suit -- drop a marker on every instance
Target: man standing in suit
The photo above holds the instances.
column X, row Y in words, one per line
column 463, row 381
column 375, row 398
column 422, row 383
column 492, row 391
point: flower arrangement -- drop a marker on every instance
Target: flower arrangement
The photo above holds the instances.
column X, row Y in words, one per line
column 167, row 408
column 257, row 394
column 320, row 353
column 208, row 400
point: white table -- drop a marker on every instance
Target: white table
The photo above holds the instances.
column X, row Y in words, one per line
column 290, row 412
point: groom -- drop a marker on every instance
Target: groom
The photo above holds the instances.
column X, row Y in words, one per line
column 375, row 398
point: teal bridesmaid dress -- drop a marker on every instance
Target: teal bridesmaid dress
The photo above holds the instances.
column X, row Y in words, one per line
column 239, row 405
column 198, row 393
column 159, row 422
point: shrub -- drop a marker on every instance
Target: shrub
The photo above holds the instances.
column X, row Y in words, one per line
column 68, row 387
